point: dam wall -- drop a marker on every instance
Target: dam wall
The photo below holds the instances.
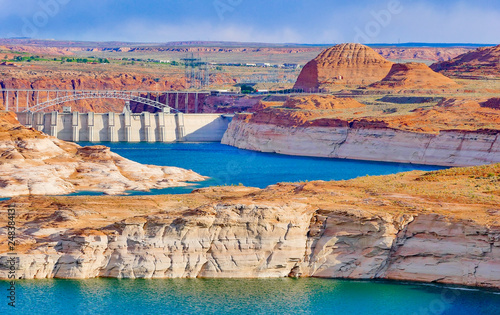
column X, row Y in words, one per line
column 128, row 127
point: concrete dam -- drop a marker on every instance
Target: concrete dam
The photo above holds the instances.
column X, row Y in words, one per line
column 128, row 127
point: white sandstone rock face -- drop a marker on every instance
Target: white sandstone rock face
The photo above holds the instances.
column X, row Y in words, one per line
column 448, row 148
column 33, row 163
column 230, row 241
column 49, row 166
column 260, row 240
column 436, row 249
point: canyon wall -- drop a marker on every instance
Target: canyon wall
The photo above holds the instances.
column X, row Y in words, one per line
column 42, row 79
column 263, row 240
column 368, row 142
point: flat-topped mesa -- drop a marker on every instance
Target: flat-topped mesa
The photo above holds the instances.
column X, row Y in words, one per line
column 483, row 62
column 345, row 64
column 414, row 75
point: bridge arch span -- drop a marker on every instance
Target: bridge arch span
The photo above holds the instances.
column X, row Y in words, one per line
column 82, row 95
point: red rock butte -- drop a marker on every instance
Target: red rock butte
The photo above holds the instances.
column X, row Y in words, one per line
column 414, row 75
column 345, row 64
column 478, row 63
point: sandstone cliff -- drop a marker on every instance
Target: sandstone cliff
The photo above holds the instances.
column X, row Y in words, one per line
column 346, row 64
column 414, row 76
column 454, row 133
column 44, row 79
column 478, row 64
column 434, row 227
column 32, row 163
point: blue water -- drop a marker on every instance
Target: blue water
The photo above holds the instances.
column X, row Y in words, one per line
column 223, row 296
column 227, row 165
column 230, row 166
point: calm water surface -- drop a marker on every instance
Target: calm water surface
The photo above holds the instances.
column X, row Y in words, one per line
column 273, row 296
column 230, row 166
column 227, row 165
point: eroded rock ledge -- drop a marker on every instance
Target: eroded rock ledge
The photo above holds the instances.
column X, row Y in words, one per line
column 439, row 227
column 456, row 132
column 32, row 163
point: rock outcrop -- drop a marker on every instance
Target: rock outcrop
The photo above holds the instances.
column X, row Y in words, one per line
column 453, row 133
column 32, row 163
column 414, row 76
column 481, row 63
column 346, row 64
column 434, row 227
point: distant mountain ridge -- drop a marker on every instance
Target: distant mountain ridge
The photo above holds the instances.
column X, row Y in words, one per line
column 115, row 44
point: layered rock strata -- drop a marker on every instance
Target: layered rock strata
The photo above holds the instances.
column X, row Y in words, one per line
column 32, row 163
column 414, row 76
column 346, row 64
column 453, row 133
column 481, row 63
column 359, row 229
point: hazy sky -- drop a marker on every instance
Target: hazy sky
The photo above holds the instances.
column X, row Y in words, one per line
column 278, row 21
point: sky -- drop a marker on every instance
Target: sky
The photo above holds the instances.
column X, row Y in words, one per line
column 270, row 21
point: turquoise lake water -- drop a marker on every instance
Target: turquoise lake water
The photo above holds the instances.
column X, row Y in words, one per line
column 270, row 296
column 230, row 166
column 227, row 165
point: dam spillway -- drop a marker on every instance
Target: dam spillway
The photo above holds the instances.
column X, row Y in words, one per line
column 128, row 127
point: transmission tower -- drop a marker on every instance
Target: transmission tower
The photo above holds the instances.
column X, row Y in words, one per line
column 196, row 72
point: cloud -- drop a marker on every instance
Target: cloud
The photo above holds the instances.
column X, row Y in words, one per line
column 280, row 21
column 145, row 31
column 462, row 22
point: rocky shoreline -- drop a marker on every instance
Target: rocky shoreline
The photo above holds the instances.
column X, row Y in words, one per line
column 440, row 227
column 359, row 142
column 455, row 132
column 33, row 163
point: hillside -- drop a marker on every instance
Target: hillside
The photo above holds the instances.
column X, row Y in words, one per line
column 481, row 63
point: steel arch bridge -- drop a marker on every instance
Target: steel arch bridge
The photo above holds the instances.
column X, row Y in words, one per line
column 82, row 95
